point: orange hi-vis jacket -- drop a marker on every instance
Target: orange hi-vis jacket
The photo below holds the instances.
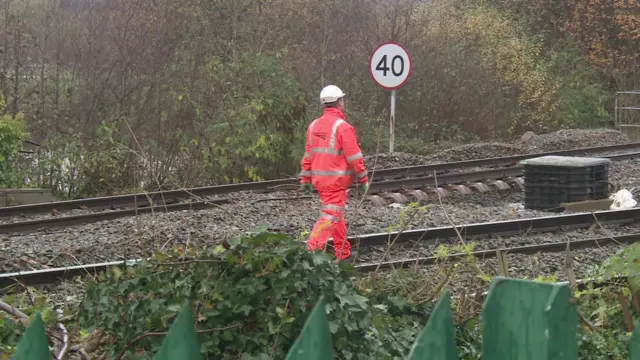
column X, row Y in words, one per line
column 332, row 155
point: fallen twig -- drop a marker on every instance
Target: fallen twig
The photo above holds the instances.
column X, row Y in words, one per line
column 12, row 311
column 65, row 342
column 446, row 214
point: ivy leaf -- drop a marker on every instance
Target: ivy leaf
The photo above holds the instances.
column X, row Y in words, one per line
column 219, row 249
column 380, row 307
column 333, row 327
column 260, row 229
column 354, row 299
column 235, row 241
column 174, row 308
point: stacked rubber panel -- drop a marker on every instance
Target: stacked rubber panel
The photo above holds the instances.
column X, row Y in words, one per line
column 552, row 180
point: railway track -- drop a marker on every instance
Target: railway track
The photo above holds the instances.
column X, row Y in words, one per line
column 386, row 176
column 397, row 190
column 492, row 253
column 390, row 187
column 50, row 276
column 422, row 236
column 65, row 221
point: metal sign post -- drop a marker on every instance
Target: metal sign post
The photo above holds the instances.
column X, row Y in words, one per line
column 392, row 120
column 390, row 67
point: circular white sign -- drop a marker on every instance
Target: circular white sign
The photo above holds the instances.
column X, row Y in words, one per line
column 390, row 65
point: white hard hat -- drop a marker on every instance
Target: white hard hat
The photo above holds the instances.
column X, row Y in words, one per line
column 330, row 93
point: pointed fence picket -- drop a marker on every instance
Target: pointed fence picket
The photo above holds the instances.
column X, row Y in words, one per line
column 522, row 320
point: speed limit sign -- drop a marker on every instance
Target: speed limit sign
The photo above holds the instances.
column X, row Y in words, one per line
column 390, row 65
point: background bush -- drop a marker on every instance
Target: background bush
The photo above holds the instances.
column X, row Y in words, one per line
column 192, row 93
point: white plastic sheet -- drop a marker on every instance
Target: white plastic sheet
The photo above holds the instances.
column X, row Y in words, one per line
column 623, row 199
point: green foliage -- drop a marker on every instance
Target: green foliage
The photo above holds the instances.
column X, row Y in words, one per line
column 607, row 337
column 222, row 91
column 543, row 19
column 33, row 345
column 625, row 262
column 78, row 167
column 535, row 87
column 253, row 134
column 10, row 332
column 581, row 98
column 12, row 134
column 251, row 297
column 610, row 343
column 261, row 287
column 12, row 329
column 256, row 126
column 396, row 316
column 411, row 212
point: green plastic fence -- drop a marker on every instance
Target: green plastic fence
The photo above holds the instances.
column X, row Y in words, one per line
column 180, row 343
column 522, row 320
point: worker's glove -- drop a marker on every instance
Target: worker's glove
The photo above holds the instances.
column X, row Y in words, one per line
column 306, row 187
column 365, row 187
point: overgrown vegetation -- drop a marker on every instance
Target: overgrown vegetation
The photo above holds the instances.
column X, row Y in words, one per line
column 260, row 288
column 12, row 134
column 184, row 94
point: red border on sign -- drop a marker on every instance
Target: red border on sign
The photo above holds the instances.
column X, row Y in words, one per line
column 410, row 65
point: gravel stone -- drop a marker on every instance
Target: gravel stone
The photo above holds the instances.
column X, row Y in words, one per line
column 574, row 138
column 413, row 251
column 133, row 237
column 393, row 160
column 477, row 151
column 467, row 278
column 139, row 236
column 529, row 143
column 528, row 137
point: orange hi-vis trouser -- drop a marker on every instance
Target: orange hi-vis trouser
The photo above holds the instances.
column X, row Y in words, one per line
column 331, row 224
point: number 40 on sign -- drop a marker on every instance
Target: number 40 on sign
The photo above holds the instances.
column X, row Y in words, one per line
column 390, row 67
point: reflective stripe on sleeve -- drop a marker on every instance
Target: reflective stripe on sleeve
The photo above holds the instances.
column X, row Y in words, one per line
column 330, row 151
column 354, row 157
column 333, row 207
column 334, row 133
column 330, row 217
column 362, row 174
column 333, row 173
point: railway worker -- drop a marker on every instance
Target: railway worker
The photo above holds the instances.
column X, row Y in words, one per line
column 331, row 161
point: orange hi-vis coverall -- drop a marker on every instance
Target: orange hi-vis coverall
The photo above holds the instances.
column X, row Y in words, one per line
column 332, row 159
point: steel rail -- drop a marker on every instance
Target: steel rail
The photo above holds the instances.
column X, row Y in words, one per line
column 62, row 221
column 163, row 197
column 389, row 185
column 429, row 169
column 488, row 254
column 464, row 177
column 49, row 276
column 446, row 179
column 513, row 226
column 501, row 228
column 376, row 188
